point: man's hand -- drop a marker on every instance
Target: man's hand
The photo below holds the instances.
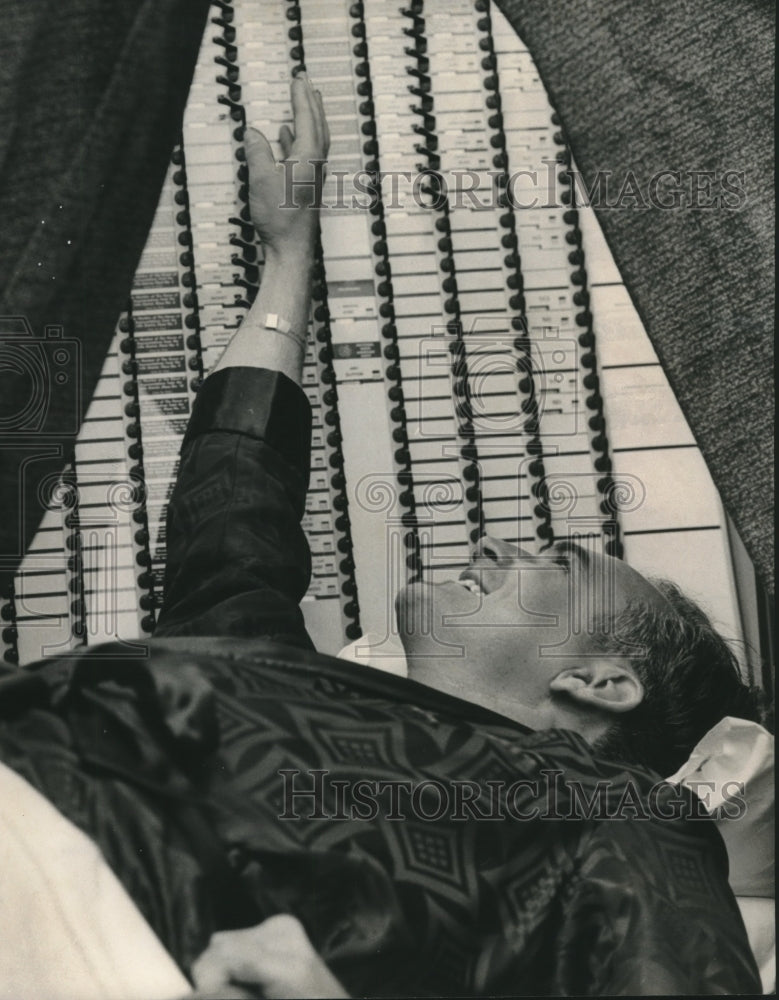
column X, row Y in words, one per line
column 273, row 959
column 288, row 228
column 283, row 197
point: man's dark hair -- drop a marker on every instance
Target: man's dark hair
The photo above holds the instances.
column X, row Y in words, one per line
column 691, row 680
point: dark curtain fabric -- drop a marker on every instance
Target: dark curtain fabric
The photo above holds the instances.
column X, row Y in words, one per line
column 91, row 101
column 649, row 87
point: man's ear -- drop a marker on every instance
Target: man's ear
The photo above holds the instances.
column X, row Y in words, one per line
column 604, row 684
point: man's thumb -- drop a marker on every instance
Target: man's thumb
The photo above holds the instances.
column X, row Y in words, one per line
column 259, row 154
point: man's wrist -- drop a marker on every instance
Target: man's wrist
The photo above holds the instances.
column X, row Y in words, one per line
column 298, row 248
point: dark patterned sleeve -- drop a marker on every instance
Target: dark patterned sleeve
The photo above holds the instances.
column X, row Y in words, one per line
column 238, row 561
column 650, row 913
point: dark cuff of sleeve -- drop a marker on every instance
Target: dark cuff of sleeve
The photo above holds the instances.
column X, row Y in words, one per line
column 261, row 403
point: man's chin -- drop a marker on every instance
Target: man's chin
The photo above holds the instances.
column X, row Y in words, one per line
column 419, row 608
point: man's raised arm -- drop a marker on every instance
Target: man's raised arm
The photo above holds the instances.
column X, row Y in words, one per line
column 237, row 559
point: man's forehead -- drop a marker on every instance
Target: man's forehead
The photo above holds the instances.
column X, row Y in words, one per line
column 605, row 578
column 632, row 585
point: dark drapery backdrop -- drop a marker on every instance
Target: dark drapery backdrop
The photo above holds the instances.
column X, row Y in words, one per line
column 92, row 94
column 91, row 98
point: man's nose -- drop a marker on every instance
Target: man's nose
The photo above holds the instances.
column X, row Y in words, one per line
column 497, row 550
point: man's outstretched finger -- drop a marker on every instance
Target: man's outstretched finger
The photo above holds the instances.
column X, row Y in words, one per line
column 317, row 117
column 305, row 132
column 259, row 155
column 322, row 118
column 286, row 138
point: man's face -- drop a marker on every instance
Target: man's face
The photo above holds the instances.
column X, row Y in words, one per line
column 513, row 620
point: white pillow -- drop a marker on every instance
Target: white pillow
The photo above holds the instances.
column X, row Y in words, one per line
column 735, row 760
